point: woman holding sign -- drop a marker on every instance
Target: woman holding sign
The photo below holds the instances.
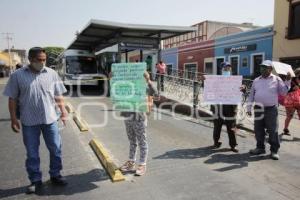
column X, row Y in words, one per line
column 135, row 123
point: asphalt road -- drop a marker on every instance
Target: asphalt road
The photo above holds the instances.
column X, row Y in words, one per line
column 181, row 163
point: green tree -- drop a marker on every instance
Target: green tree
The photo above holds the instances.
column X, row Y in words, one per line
column 52, row 53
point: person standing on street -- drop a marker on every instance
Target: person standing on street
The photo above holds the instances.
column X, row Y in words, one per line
column 264, row 95
column 161, row 68
column 292, row 102
column 39, row 90
column 136, row 123
column 225, row 114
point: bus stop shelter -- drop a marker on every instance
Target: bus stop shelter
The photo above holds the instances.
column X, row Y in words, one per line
column 99, row 34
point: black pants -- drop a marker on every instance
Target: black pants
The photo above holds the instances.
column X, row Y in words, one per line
column 266, row 120
column 230, row 124
column 161, row 77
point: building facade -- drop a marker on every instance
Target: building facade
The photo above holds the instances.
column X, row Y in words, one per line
column 19, row 54
column 170, row 58
column 286, row 44
column 245, row 51
column 207, row 30
column 196, row 58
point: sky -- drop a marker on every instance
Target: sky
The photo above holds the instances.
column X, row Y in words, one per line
column 55, row 22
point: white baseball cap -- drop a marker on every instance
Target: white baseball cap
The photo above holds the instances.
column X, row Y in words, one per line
column 267, row 63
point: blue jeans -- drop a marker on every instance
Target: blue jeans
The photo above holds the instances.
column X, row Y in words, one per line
column 31, row 139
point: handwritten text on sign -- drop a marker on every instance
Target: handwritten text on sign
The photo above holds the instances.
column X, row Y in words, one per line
column 222, row 89
column 128, row 87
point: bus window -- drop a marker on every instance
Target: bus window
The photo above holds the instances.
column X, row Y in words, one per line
column 81, row 65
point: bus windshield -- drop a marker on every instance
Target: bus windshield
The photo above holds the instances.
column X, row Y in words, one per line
column 80, row 65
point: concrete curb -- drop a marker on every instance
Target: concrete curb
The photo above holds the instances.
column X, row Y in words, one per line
column 82, row 125
column 69, row 107
column 106, row 161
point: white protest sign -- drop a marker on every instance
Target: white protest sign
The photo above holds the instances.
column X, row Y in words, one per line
column 222, row 90
column 282, row 68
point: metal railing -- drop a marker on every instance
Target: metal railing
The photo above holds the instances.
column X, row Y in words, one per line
column 187, row 87
column 186, row 74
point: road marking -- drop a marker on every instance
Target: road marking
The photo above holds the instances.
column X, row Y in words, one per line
column 106, row 161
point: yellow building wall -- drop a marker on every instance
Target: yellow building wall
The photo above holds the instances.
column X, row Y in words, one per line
column 283, row 47
column 4, row 57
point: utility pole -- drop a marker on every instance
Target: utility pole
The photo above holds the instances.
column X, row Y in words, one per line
column 7, row 37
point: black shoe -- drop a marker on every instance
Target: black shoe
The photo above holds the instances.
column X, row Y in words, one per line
column 34, row 187
column 257, row 151
column 59, row 181
column 234, row 149
column 217, row 145
column 286, row 132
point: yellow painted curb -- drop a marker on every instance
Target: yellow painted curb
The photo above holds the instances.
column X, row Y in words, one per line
column 106, row 161
column 82, row 125
column 69, row 107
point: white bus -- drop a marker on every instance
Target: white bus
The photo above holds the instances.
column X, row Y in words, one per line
column 78, row 67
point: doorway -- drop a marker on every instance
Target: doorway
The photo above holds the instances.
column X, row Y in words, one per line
column 234, row 61
column 190, row 70
column 219, row 61
column 257, row 59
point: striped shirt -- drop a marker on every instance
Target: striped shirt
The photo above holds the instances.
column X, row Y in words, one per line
column 35, row 93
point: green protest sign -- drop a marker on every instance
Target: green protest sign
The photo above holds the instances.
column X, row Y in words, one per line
column 128, row 87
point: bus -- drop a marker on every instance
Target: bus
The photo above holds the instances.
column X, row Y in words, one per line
column 78, row 67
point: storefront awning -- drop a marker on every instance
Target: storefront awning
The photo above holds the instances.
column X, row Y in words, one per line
column 99, row 34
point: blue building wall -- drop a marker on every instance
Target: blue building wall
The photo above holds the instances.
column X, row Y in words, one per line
column 170, row 57
column 261, row 38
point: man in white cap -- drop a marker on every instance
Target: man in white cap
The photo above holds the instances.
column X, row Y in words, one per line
column 264, row 95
